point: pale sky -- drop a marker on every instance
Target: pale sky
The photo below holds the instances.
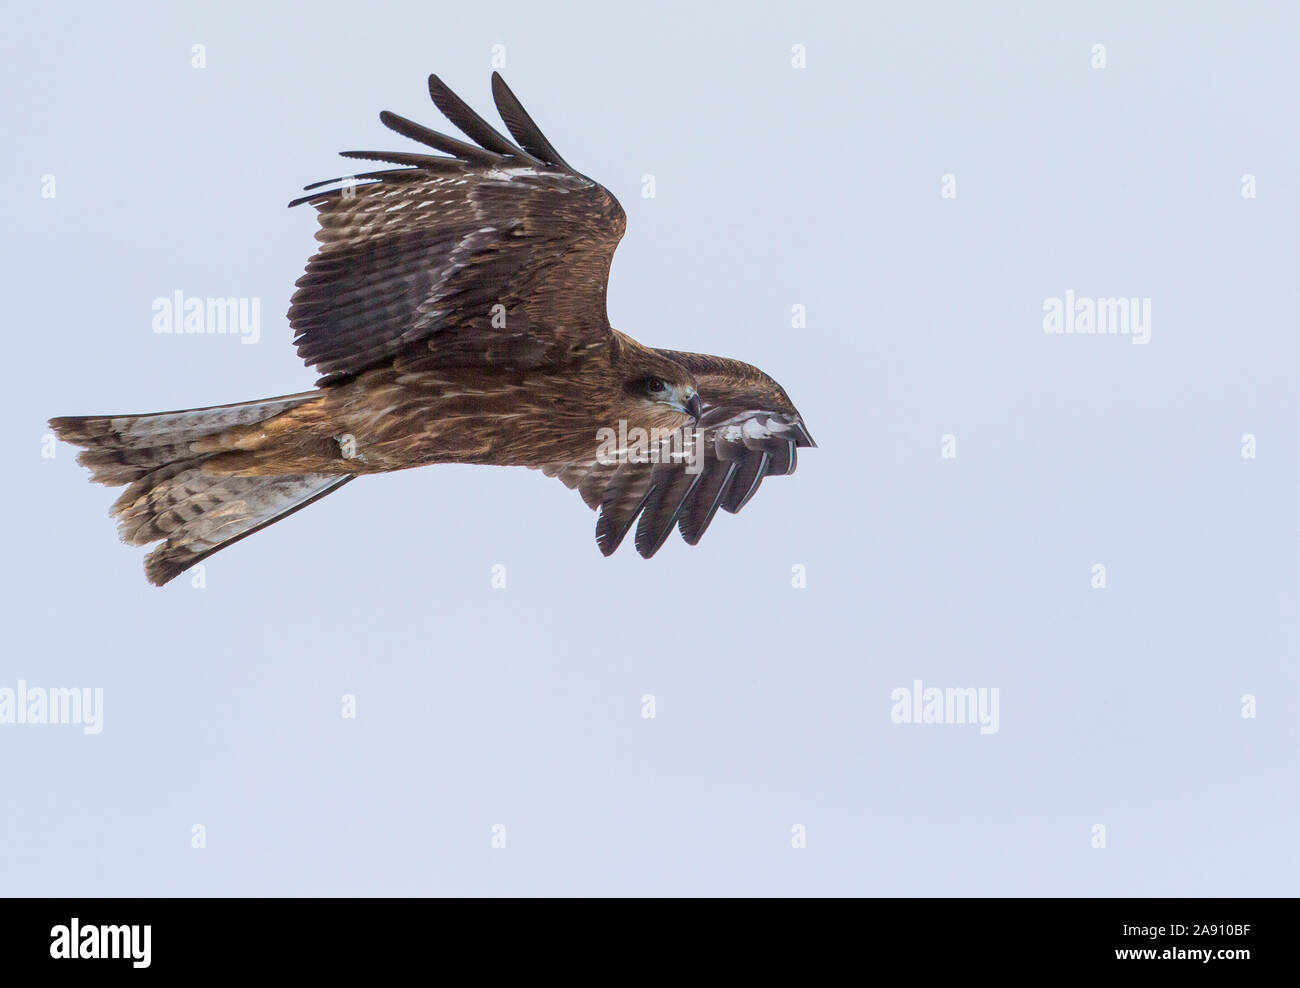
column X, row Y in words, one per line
column 924, row 186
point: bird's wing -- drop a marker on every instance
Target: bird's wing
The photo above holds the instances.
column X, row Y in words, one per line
column 489, row 252
column 748, row 430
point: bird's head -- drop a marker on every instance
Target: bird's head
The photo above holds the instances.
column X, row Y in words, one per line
column 663, row 392
column 653, row 392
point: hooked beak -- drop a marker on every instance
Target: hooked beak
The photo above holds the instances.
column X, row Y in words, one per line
column 694, row 408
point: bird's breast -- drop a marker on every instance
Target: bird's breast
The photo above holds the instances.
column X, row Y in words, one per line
column 397, row 421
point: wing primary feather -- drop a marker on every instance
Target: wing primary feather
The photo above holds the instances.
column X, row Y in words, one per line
column 387, row 174
column 746, row 483
column 439, row 142
column 474, row 127
column 521, row 125
column 695, row 521
column 663, row 508
column 782, row 453
column 618, row 511
column 325, row 181
column 317, row 197
column 804, row 438
column 429, row 162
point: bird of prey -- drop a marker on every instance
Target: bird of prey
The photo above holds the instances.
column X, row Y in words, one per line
column 456, row 313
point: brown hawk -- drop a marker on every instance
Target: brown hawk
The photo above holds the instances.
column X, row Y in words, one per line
column 456, row 313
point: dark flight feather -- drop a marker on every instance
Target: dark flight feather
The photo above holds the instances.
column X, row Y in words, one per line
column 624, row 498
column 704, row 501
column 426, row 162
column 521, row 125
column 390, row 175
column 671, row 488
column 440, row 142
column 753, row 468
column 470, row 123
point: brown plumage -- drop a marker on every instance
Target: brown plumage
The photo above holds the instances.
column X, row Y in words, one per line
column 456, row 313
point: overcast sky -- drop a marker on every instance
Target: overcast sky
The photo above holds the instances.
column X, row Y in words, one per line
column 928, row 182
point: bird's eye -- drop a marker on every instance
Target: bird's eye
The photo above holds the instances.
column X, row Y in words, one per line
column 654, row 385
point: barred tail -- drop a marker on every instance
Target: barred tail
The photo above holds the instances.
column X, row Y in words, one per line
column 169, row 494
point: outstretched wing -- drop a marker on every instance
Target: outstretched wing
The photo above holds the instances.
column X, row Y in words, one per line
column 750, row 430
column 489, row 252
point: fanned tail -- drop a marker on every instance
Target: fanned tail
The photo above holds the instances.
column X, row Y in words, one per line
column 171, row 496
